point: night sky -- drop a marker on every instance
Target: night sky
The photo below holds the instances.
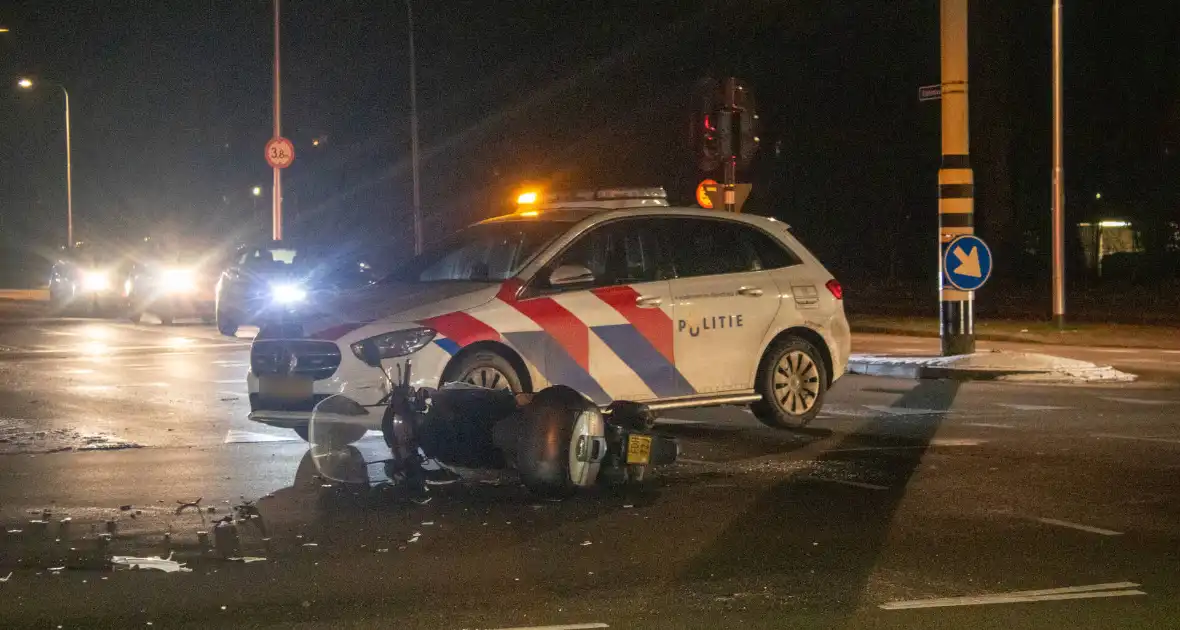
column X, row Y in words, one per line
column 171, row 104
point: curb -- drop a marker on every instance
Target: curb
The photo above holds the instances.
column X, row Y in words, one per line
column 902, row 370
column 870, row 329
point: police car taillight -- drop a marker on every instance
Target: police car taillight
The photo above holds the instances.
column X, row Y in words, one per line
column 833, row 285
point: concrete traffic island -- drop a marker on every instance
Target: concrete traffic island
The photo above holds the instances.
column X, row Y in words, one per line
column 999, row 365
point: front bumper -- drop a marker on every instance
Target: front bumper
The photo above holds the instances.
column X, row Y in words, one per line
column 352, row 379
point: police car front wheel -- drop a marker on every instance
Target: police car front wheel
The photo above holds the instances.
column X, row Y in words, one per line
column 485, row 369
column 792, row 380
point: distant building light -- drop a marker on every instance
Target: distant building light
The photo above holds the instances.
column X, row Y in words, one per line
column 1114, row 224
column 1098, row 195
column 527, row 198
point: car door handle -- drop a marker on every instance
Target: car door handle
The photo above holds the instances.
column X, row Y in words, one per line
column 648, row 301
column 750, row 291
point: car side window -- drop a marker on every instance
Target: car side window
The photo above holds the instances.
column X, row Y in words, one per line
column 768, row 252
column 621, row 252
column 707, row 247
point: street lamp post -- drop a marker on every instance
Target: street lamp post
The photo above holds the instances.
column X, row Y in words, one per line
column 414, row 131
column 1058, row 177
column 27, row 84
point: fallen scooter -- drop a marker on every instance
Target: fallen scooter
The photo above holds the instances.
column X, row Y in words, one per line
column 557, row 440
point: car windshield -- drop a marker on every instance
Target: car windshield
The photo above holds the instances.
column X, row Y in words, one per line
column 485, row 252
column 267, row 257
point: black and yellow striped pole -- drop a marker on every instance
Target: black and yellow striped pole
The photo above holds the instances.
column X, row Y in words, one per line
column 956, row 184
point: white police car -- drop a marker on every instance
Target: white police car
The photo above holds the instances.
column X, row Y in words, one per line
column 612, row 293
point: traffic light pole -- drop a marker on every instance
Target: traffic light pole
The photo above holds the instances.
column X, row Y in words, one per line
column 729, row 110
column 956, row 182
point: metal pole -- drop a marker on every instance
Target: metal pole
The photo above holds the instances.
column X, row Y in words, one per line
column 729, row 176
column 414, row 132
column 956, row 181
column 1058, row 177
column 277, row 190
column 69, row 177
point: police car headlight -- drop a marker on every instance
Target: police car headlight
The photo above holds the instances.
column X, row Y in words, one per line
column 288, row 293
column 394, row 344
column 95, row 280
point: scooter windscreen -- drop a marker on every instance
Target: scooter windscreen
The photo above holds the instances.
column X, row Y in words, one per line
column 341, row 445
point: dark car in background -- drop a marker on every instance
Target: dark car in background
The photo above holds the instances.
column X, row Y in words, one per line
column 89, row 280
column 265, row 283
column 173, row 286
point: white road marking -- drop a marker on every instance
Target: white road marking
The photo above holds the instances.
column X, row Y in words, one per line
column 987, row 425
column 676, row 421
column 1116, row 350
column 696, row 462
column 906, row 411
column 152, row 384
column 1138, row 401
column 568, row 626
column 940, row 442
column 1136, row 437
column 1113, row 589
column 845, row 482
column 234, row 436
column 78, row 371
column 1077, row 526
column 1032, row 407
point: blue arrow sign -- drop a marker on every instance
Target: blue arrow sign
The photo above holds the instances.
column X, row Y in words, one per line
column 966, row 263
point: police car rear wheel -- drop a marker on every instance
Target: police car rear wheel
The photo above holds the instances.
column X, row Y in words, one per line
column 792, row 381
column 487, row 369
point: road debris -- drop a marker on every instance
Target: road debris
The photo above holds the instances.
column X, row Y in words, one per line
column 247, row 559
column 184, row 505
column 225, row 539
column 586, row 543
column 7, row 577
column 167, row 565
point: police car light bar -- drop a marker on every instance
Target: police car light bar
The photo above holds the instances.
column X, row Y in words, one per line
column 652, row 192
column 607, row 194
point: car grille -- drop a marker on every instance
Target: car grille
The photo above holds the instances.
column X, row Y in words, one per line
column 312, row 359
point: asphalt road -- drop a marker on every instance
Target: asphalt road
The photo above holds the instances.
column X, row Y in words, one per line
column 905, row 492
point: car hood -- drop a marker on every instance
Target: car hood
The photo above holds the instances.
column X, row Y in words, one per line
column 392, row 303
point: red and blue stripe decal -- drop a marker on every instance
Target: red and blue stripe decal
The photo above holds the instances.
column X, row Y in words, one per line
column 562, row 347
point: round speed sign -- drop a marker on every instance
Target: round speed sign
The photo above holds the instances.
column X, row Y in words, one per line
column 280, row 152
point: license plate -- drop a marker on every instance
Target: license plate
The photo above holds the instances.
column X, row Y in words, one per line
column 638, row 449
column 284, row 387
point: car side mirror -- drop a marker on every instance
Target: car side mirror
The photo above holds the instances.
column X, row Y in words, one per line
column 570, row 275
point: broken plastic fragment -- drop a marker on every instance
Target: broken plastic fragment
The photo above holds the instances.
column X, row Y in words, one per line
column 586, row 543
column 167, row 565
column 247, row 559
column 6, row 578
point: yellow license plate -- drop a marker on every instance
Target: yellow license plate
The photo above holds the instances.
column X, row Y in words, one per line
column 638, row 449
column 284, row 387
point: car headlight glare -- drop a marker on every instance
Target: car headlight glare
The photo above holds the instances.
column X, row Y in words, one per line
column 96, row 280
column 178, row 280
column 394, row 344
column 288, row 293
